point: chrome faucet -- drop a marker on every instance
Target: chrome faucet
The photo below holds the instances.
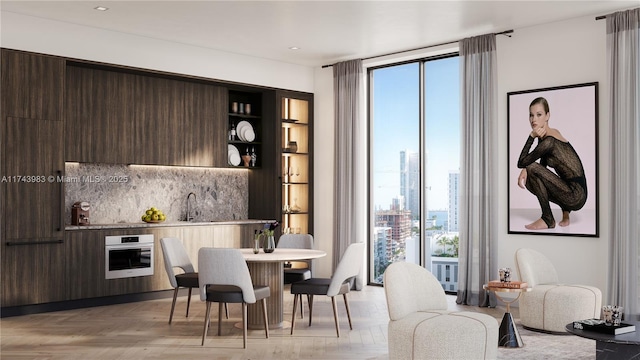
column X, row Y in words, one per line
column 189, row 216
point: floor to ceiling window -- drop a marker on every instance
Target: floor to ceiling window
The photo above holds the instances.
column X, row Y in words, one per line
column 414, row 160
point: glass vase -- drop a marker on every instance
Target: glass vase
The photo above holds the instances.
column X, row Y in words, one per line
column 256, row 244
column 270, row 244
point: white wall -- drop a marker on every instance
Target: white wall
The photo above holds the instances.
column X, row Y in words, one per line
column 562, row 53
column 30, row 33
column 556, row 54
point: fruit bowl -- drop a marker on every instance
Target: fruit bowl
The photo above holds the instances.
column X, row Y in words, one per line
column 153, row 216
column 153, row 221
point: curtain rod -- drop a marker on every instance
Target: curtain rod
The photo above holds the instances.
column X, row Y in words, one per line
column 506, row 32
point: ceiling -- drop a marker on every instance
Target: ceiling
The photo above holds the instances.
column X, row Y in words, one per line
column 325, row 31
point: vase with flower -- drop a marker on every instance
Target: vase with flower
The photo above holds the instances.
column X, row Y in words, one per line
column 268, row 231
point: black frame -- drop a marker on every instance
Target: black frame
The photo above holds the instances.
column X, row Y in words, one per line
column 574, row 112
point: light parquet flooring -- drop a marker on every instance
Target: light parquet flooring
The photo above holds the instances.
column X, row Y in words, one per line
column 140, row 330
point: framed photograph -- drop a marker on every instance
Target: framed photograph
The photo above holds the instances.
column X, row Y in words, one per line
column 553, row 161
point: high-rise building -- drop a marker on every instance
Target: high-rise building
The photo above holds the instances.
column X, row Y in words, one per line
column 400, row 223
column 454, row 200
column 410, row 181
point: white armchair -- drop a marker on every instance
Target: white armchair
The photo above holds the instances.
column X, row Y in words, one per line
column 420, row 325
column 550, row 306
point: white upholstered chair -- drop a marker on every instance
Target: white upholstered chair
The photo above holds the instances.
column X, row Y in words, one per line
column 421, row 327
column 224, row 278
column 175, row 256
column 550, row 306
column 339, row 284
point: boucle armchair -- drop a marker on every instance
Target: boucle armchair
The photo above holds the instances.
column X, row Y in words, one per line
column 550, row 306
column 420, row 325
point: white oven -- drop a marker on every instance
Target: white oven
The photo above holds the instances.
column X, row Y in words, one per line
column 128, row 256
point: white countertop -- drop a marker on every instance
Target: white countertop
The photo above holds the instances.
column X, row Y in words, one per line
column 138, row 225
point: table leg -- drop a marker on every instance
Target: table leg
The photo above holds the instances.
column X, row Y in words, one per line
column 271, row 274
column 508, row 335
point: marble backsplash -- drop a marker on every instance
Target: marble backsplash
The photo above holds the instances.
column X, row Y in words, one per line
column 121, row 193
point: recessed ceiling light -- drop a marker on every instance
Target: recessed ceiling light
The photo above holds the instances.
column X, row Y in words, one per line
column 101, row 8
column 294, row 48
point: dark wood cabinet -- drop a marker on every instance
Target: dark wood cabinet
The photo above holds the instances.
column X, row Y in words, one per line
column 33, row 85
column 32, row 189
column 98, row 122
column 158, row 118
column 204, row 125
column 33, row 230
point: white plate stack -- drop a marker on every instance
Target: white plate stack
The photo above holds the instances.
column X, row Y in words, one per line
column 245, row 131
column 233, row 156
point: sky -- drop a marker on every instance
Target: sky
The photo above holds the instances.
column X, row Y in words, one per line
column 395, row 122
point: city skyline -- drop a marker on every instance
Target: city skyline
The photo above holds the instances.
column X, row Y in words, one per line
column 396, row 128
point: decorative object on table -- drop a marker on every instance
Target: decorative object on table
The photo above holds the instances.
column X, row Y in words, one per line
column 256, row 241
column 247, row 109
column 507, row 285
column 505, row 274
column 270, row 242
column 573, row 109
column 612, row 315
column 601, row 326
column 234, row 107
column 550, row 306
column 153, row 215
column 241, row 108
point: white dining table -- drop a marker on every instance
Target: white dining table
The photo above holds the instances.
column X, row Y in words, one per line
column 267, row 269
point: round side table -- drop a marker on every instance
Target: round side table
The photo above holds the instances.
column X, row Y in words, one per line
column 508, row 335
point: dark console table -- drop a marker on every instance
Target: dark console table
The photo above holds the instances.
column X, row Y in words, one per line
column 613, row 347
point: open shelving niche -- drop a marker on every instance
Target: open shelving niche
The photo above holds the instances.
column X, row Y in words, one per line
column 254, row 118
column 296, row 166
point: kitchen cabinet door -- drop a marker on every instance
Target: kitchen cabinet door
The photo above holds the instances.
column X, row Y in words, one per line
column 32, row 186
column 159, row 129
column 204, row 125
column 32, row 194
column 98, row 121
column 32, row 85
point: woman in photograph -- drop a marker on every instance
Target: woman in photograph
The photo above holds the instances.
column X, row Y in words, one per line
column 566, row 185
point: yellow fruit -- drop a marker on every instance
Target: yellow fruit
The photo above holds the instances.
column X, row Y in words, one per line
column 144, row 217
column 154, row 217
column 149, row 212
column 153, row 208
column 162, row 217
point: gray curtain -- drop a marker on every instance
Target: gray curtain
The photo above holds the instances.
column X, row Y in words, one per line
column 623, row 62
column 478, row 170
column 348, row 215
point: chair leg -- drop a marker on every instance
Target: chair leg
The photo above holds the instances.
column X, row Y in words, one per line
column 266, row 317
column 346, row 305
column 188, row 303
column 173, row 304
column 220, row 319
column 335, row 314
column 206, row 322
column 244, row 325
column 310, row 307
column 301, row 309
column 226, row 310
column 295, row 306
